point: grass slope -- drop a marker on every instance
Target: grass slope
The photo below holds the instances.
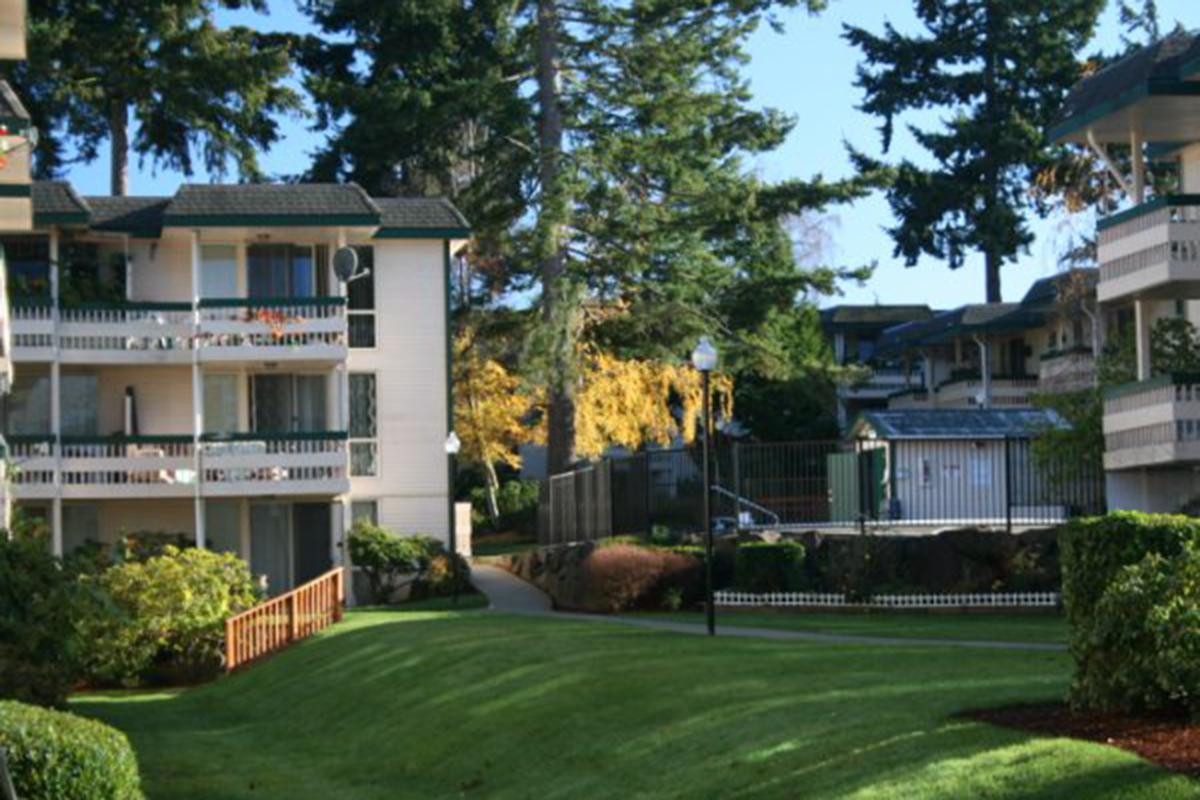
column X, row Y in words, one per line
column 469, row 704
column 992, row 627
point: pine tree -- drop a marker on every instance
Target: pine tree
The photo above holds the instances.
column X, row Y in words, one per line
column 621, row 130
column 998, row 70
column 189, row 86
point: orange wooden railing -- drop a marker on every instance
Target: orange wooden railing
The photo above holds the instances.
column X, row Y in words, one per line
column 280, row 621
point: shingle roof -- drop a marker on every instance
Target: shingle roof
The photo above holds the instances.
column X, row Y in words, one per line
column 1044, row 292
column 419, row 213
column 945, row 423
column 1158, row 62
column 136, row 215
column 945, row 326
column 333, row 203
column 861, row 317
column 56, row 201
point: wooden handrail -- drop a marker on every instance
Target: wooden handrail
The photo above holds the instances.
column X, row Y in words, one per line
column 281, row 621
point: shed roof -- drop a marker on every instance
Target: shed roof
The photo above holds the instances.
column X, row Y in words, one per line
column 263, row 203
column 419, row 214
column 958, row 424
column 140, row 216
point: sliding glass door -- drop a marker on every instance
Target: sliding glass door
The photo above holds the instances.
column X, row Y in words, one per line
column 288, row 403
column 289, row 543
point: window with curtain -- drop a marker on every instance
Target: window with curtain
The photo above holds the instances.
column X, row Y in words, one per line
column 220, row 404
column 360, row 300
column 28, row 405
column 218, row 271
column 366, row 510
column 363, row 425
column 288, row 403
column 78, row 405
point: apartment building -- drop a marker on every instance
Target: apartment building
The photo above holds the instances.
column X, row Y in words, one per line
column 999, row 355
column 17, row 137
column 1145, row 110
column 195, row 365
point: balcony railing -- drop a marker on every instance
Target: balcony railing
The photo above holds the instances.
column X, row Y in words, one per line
column 221, row 329
column 166, row 466
column 1067, row 370
column 1147, row 249
column 1153, row 423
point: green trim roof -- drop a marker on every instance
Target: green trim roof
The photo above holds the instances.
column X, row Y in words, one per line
column 955, row 424
column 316, row 205
column 1161, row 69
column 848, row 318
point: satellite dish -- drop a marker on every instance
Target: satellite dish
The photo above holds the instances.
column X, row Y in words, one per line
column 345, row 264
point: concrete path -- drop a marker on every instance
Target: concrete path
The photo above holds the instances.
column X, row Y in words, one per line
column 508, row 594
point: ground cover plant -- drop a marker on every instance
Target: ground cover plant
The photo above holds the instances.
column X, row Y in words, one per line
column 379, row 707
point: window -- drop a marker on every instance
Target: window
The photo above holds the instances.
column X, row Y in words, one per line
column 282, row 403
column 280, row 270
column 77, row 402
column 28, row 405
column 360, row 299
column 220, row 403
column 28, row 264
column 218, row 271
column 367, row 510
column 363, row 425
column 223, row 526
column 80, row 525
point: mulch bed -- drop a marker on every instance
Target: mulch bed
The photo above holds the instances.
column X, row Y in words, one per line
column 1172, row 742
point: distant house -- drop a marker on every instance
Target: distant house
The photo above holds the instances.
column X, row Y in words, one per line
column 999, row 355
column 926, row 466
column 854, row 333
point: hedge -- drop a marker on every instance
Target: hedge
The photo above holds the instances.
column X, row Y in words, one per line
column 1124, row 581
column 53, row 755
column 769, row 567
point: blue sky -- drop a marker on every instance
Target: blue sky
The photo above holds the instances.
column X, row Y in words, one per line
column 807, row 71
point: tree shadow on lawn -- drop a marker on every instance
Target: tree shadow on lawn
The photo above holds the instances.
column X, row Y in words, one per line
column 515, row 707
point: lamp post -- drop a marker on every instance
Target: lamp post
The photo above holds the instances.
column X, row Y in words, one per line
column 704, row 359
column 453, row 445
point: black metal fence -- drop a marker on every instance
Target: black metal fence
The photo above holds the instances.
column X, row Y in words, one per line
column 823, row 484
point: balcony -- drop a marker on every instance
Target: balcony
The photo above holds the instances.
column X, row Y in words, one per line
column 256, row 464
column 241, row 329
column 1153, row 423
column 1151, row 251
column 229, row 465
column 1065, row 371
column 884, row 383
column 1006, row 392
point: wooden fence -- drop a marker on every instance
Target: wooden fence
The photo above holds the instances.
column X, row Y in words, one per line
column 282, row 620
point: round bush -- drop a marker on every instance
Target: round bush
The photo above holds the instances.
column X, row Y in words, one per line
column 53, row 755
column 769, row 566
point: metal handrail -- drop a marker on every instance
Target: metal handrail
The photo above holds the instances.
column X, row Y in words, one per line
column 753, row 506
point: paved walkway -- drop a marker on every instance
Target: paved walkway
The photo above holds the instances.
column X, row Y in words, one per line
column 509, row 594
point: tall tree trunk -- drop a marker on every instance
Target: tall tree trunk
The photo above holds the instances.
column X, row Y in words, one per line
column 492, row 482
column 992, row 264
column 118, row 123
column 560, row 450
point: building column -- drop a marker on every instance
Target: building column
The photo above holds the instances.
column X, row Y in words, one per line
column 1141, row 326
column 1138, row 167
column 985, row 370
column 197, row 397
column 56, row 515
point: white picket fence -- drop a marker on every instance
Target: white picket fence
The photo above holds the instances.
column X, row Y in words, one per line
column 728, row 597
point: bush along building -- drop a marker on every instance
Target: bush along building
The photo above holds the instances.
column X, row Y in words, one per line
column 199, row 366
column 1138, row 110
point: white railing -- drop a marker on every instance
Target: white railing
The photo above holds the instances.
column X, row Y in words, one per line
column 257, row 463
column 728, row 597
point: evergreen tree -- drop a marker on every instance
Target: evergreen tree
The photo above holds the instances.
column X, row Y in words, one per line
column 189, row 85
column 618, row 132
column 999, row 70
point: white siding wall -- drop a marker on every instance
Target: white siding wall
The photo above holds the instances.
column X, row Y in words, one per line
column 409, row 361
column 160, row 271
column 163, row 396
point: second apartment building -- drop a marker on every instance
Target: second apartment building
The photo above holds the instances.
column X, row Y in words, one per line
column 194, row 365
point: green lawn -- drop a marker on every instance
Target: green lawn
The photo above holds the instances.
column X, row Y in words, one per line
column 468, row 704
column 993, row 627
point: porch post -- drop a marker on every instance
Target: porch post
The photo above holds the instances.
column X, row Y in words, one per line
column 197, row 396
column 1141, row 324
column 1139, row 167
column 985, row 370
column 56, row 522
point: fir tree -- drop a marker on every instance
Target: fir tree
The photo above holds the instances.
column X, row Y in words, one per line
column 189, row 85
column 998, row 70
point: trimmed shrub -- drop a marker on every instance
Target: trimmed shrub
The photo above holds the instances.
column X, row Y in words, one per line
column 438, row 579
column 769, row 567
column 1146, row 644
column 623, row 577
column 164, row 618
column 383, row 557
column 58, row 756
column 1118, row 576
column 39, row 645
